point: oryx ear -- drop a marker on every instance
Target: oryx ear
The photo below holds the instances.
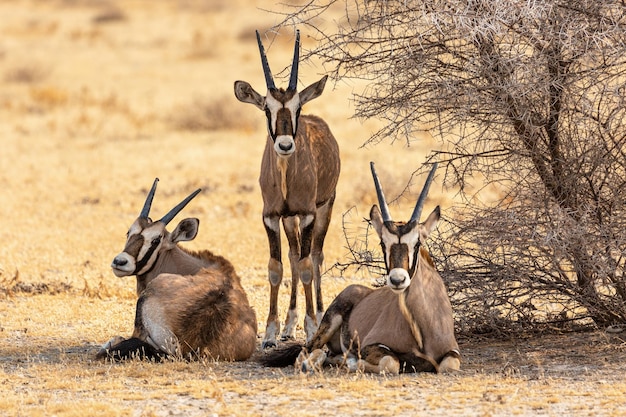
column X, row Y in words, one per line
column 245, row 93
column 313, row 91
column 377, row 220
column 187, row 229
column 429, row 225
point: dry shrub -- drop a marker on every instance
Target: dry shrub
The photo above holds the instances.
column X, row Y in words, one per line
column 531, row 98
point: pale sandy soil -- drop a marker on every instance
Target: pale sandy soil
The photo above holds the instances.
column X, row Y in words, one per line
column 99, row 97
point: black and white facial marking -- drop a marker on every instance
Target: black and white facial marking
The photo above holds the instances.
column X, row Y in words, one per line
column 281, row 106
column 400, row 244
column 282, row 109
column 145, row 238
column 143, row 244
column 401, row 241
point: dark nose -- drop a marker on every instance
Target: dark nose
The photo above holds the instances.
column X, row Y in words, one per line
column 285, row 146
column 396, row 280
column 120, row 261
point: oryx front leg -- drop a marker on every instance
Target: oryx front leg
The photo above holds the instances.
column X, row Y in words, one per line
column 451, row 362
column 376, row 359
column 155, row 329
column 275, row 274
column 104, row 349
column 305, row 270
column 386, row 365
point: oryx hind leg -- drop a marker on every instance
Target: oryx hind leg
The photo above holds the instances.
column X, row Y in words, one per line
column 330, row 331
column 299, row 231
column 291, row 226
column 322, row 221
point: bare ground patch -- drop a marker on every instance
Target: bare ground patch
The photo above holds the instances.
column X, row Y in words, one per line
column 44, row 373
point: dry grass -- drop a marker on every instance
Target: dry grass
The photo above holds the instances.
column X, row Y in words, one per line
column 97, row 99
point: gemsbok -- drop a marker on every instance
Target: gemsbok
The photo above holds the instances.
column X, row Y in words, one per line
column 405, row 326
column 299, row 173
column 190, row 303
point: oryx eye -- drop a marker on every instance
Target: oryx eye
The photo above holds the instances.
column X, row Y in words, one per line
column 156, row 241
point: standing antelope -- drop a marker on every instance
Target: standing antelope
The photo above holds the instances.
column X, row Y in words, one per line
column 190, row 303
column 299, row 173
column 406, row 326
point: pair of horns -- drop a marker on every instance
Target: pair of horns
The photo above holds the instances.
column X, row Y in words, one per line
column 145, row 211
column 269, row 80
column 417, row 211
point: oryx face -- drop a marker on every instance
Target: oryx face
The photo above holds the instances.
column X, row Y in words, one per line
column 146, row 239
column 282, row 107
column 401, row 241
column 400, row 244
column 143, row 242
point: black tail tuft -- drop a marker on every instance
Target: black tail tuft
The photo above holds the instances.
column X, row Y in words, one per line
column 132, row 348
column 282, row 356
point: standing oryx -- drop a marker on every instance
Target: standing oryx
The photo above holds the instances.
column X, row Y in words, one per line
column 189, row 303
column 406, row 326
column 299, row 173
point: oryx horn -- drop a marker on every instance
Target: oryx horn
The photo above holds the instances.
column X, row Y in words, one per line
column 384, row 209
column 269, row 80
column 173, row 212
column 422, row 198
column 293, row 80
column 145, row 211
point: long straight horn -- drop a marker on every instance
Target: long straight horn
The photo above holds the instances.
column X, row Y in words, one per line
column 384, row 209
column 145, row 211
column 269, row 80
column 293, row 80
column 173, row 212
column 420, row 201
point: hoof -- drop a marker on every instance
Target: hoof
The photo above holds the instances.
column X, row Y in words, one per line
column 268, row 344
column 449, row 364
column 310, row 363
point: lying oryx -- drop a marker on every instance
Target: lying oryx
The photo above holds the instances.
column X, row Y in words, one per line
column 190, row 303
column 406, row 326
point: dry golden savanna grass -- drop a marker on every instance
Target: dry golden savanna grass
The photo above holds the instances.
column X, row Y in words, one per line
column 97, row 98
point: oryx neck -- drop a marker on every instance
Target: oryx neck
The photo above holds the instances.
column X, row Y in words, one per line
column 171, row 261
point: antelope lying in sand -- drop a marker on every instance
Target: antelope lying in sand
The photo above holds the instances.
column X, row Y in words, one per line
column 299, row 173
column 190, row 303
column 406, row 326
